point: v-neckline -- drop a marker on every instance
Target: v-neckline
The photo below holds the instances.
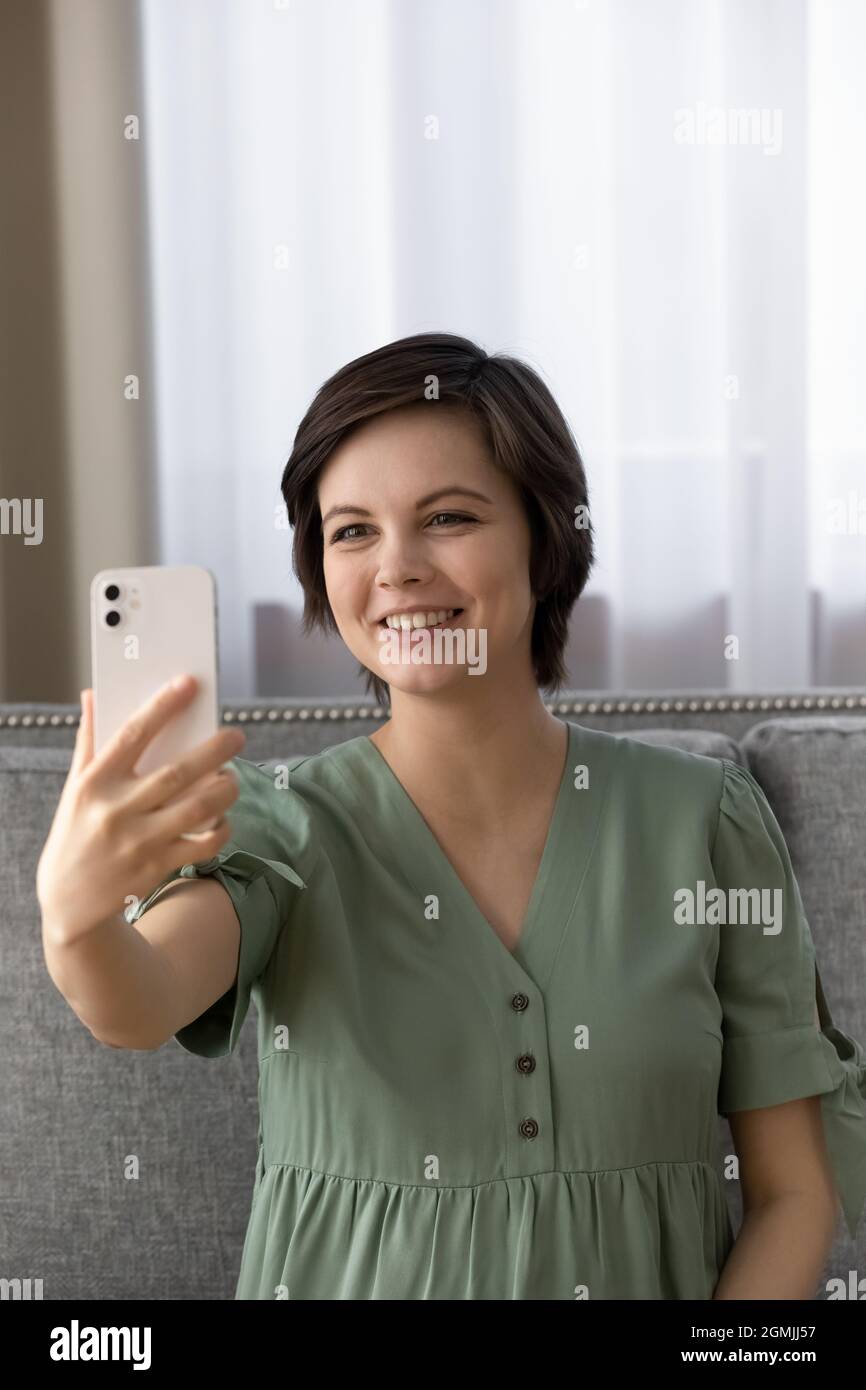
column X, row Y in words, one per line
column 549, row 854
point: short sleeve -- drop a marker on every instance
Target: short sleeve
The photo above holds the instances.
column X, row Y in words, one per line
column 260, row 867
column 779, row 1039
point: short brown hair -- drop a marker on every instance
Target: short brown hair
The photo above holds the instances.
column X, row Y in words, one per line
column 527, row 435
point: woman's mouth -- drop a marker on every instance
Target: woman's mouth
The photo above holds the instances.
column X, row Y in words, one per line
column 420, row 622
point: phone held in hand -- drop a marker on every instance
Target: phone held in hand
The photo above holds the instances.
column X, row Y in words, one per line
column 149, row 624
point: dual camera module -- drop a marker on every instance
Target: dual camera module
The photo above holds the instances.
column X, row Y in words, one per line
column 111, row 593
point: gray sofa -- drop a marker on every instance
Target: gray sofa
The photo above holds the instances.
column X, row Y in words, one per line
column 129, row 1175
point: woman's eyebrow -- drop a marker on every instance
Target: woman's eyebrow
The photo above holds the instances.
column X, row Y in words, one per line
column 348, row 508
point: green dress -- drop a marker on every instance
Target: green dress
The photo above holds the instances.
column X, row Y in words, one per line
column 443, row 1118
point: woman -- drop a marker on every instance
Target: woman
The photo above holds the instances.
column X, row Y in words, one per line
column 494, row 1031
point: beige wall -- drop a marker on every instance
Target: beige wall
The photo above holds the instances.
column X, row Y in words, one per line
column 74, row 324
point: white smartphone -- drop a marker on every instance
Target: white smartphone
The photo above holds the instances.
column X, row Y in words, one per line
column 148, row 624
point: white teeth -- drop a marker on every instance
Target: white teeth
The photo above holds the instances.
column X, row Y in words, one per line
column 413, row 620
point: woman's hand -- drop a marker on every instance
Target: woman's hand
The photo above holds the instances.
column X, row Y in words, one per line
column 115, row 833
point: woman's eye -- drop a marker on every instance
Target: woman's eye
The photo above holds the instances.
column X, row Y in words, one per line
column 456, row 516
column 340, row 534
column 343, row 532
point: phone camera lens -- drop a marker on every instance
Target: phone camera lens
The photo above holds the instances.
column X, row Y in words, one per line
column 112, row 618
column 112, row 592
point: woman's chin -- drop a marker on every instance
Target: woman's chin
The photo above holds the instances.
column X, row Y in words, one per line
column 412, row 679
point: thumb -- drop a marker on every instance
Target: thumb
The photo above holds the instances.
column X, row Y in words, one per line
column 83, row 753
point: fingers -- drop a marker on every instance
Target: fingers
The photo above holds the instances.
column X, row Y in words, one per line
column 204, row 804
column 192, row 849
column 123, row 750
column 167, row 783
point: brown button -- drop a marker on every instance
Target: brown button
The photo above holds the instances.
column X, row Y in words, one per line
column 519, row 1002
column 526, row 1063
column 529, row 1128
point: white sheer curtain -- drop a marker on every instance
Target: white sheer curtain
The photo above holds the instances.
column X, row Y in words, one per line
column 659, row 205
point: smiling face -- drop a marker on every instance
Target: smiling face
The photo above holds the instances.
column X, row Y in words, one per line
column 389, row 545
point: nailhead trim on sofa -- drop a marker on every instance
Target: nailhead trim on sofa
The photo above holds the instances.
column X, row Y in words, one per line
column 648, row 706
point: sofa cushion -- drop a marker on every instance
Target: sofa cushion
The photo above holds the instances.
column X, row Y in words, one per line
column 814, row 775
